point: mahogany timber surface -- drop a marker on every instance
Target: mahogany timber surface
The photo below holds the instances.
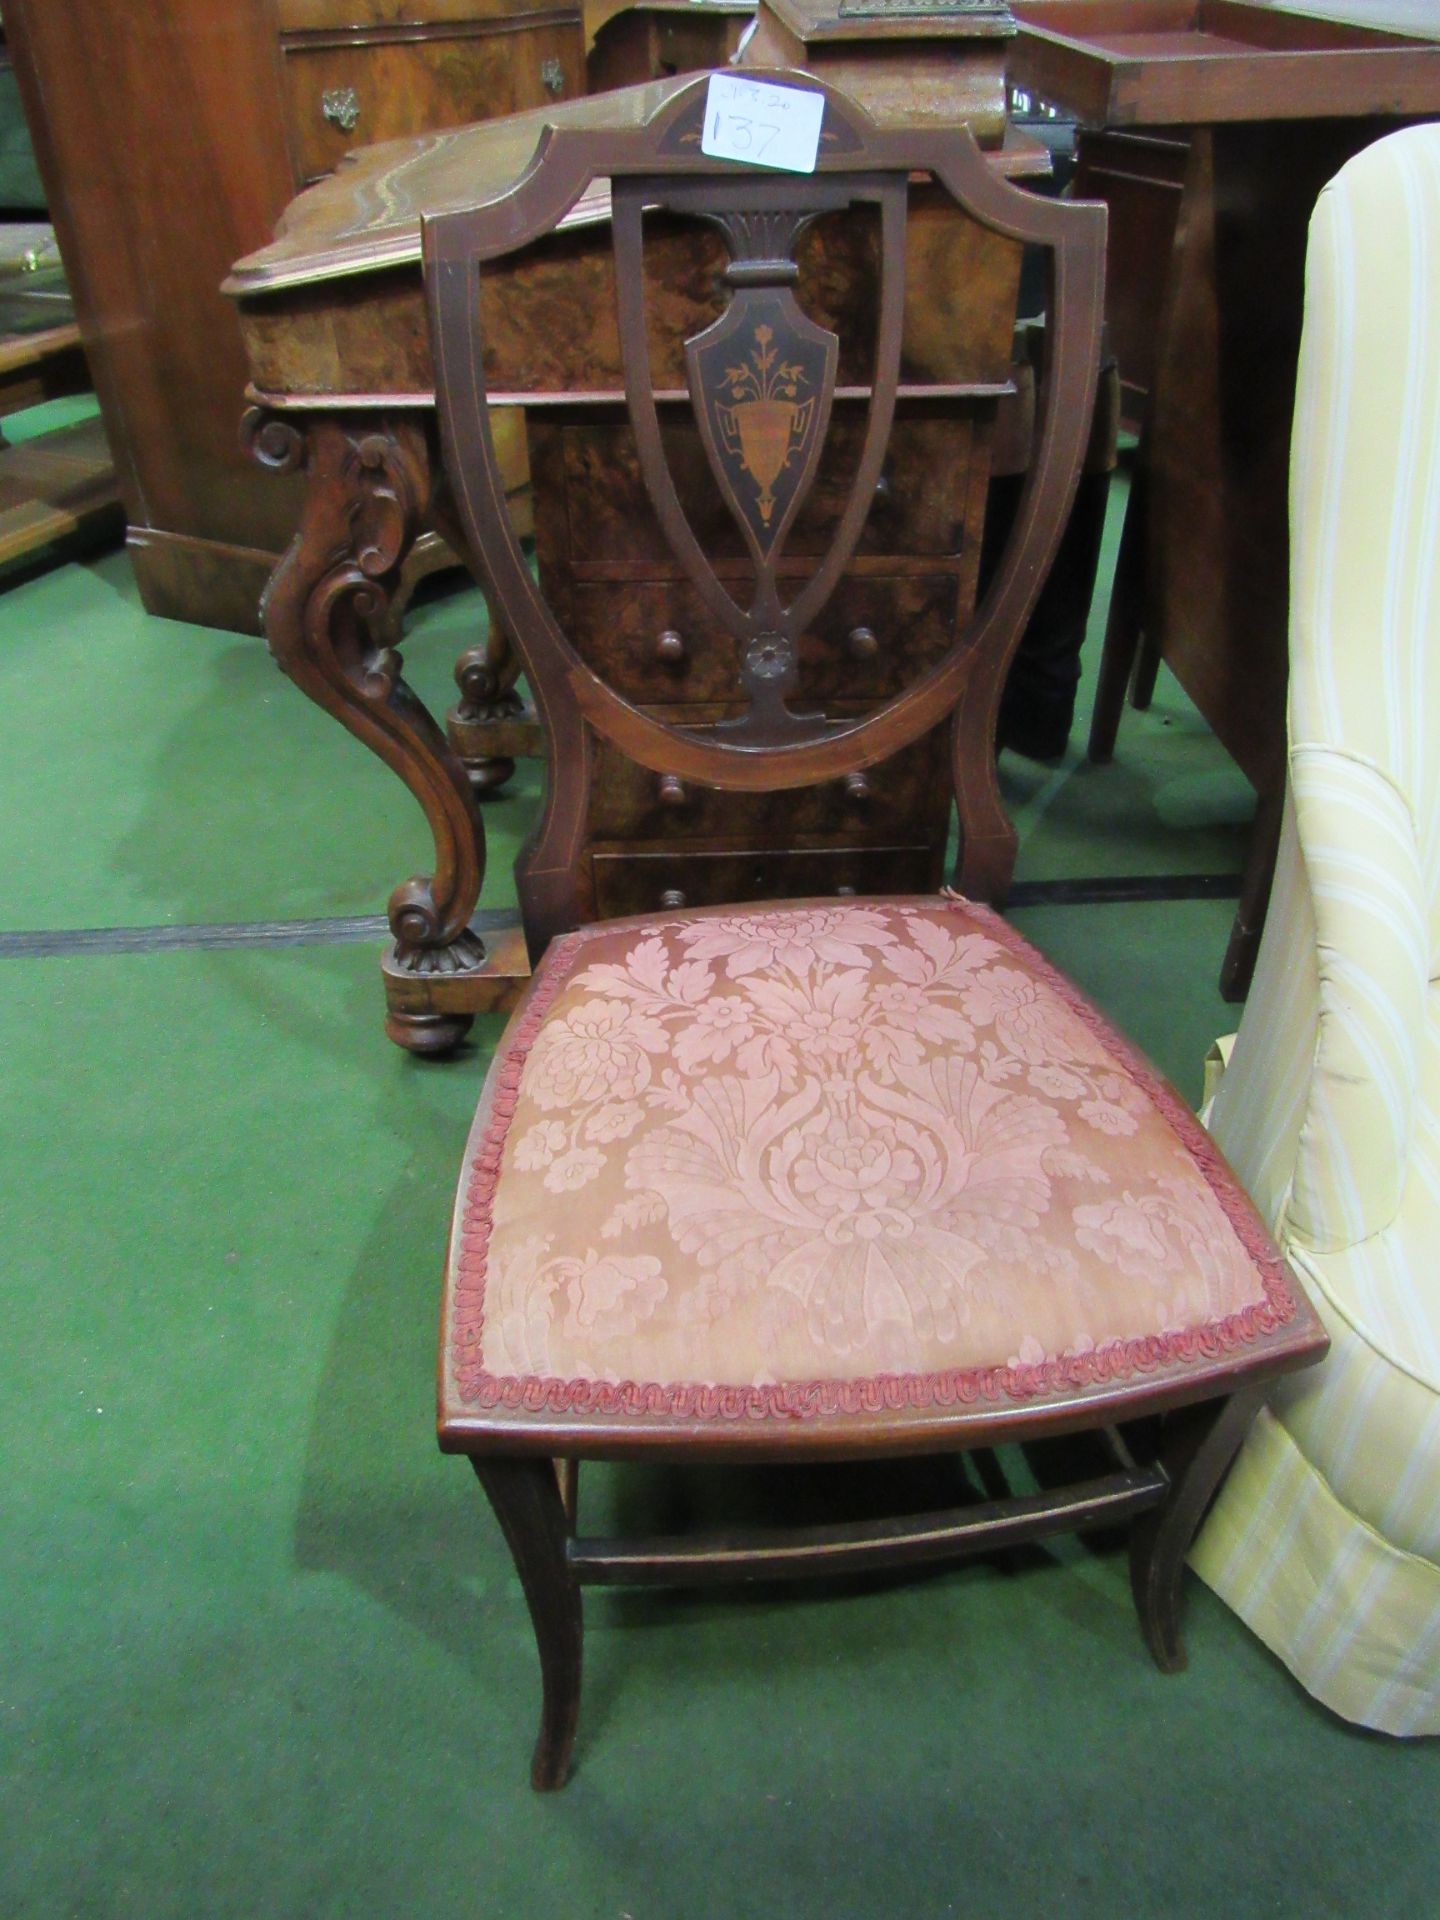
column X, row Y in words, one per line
column 1140, row 177
column 162, row 156
column 169, row 142
column 1266, row 122
column 398, row 79
column 1124, row 63
column 907, row 69
column 655, row 38
column 58, row 484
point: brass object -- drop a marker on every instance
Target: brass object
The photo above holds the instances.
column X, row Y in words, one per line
column 341, row 108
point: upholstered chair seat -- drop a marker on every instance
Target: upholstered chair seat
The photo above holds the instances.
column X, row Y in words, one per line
column 784, row 1163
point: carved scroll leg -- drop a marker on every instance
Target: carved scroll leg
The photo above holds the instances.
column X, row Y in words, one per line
column 327, row 616
column 1197, row 1446
column 530, row 1507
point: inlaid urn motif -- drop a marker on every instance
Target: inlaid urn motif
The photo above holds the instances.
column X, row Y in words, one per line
column 766, row 421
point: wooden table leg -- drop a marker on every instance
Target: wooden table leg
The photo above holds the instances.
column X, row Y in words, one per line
column 490, row 727
column 327, row 618
column 1241, row 954
column 1124, row 623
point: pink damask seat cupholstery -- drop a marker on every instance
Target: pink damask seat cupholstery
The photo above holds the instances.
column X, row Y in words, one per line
column 784, row 1162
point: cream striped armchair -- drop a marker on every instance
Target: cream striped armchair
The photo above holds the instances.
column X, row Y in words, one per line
column 1326, row 1539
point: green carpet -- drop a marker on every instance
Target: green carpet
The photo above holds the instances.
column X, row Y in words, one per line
column 261, row 1650
column 170, row 774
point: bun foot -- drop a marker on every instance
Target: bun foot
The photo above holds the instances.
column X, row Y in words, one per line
column 428, row 1033
column 487, row 777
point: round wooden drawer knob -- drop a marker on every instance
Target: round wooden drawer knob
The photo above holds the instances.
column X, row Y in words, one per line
column 670, row 648
column 672, row 898
column 672, row 791
column 857, row 789
column 863, row 643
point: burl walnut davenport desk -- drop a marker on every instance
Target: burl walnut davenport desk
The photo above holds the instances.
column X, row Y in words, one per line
column 333, row 319
column 1260, row 105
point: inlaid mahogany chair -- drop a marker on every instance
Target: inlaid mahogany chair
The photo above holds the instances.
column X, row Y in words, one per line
column 839, row 1178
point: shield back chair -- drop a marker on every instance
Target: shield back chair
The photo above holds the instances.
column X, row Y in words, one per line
column 831, row 1179
column 1326, row 1541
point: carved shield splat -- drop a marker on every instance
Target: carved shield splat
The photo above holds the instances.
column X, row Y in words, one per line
column 761, row 384
column 763, row 451
column 761, row 380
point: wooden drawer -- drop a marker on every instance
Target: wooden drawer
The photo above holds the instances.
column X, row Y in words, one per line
column 313, row 16
column 344, row 91
column 904, row 799
column 878, row 634
column 921, row 504
column 639, row 882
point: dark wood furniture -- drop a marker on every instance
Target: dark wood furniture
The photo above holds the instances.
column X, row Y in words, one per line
column 358, row 71
column 341, row 371
column 758, row 377
column 1268, row 102
column 61, row 483
column 654, row 39
column 1140, row 178
column 174, row 151
column 908, row 65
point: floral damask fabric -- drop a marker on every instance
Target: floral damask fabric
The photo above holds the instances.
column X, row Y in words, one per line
column 823, row 1144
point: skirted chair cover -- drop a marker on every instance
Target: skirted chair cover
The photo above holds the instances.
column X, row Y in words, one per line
column 1326, row 1538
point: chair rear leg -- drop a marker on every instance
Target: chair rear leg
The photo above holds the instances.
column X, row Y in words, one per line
column 1197, row 1445
column 527, row 1501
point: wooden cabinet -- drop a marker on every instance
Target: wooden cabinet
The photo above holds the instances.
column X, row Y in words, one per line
column 1140, row 177
column 178, row 150
column 1246, row 109
column 650, row 39
column 349, row 82
column 635, row 618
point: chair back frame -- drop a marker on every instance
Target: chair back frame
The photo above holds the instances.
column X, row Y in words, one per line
column 762, row 382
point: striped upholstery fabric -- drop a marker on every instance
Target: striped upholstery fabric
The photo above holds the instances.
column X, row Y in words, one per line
column 1326, row 1538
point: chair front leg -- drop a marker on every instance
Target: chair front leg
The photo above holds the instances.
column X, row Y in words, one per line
column 1197, row 1446
column 528, row 1504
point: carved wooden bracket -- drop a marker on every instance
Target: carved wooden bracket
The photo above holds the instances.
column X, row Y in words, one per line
column 326, row 613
